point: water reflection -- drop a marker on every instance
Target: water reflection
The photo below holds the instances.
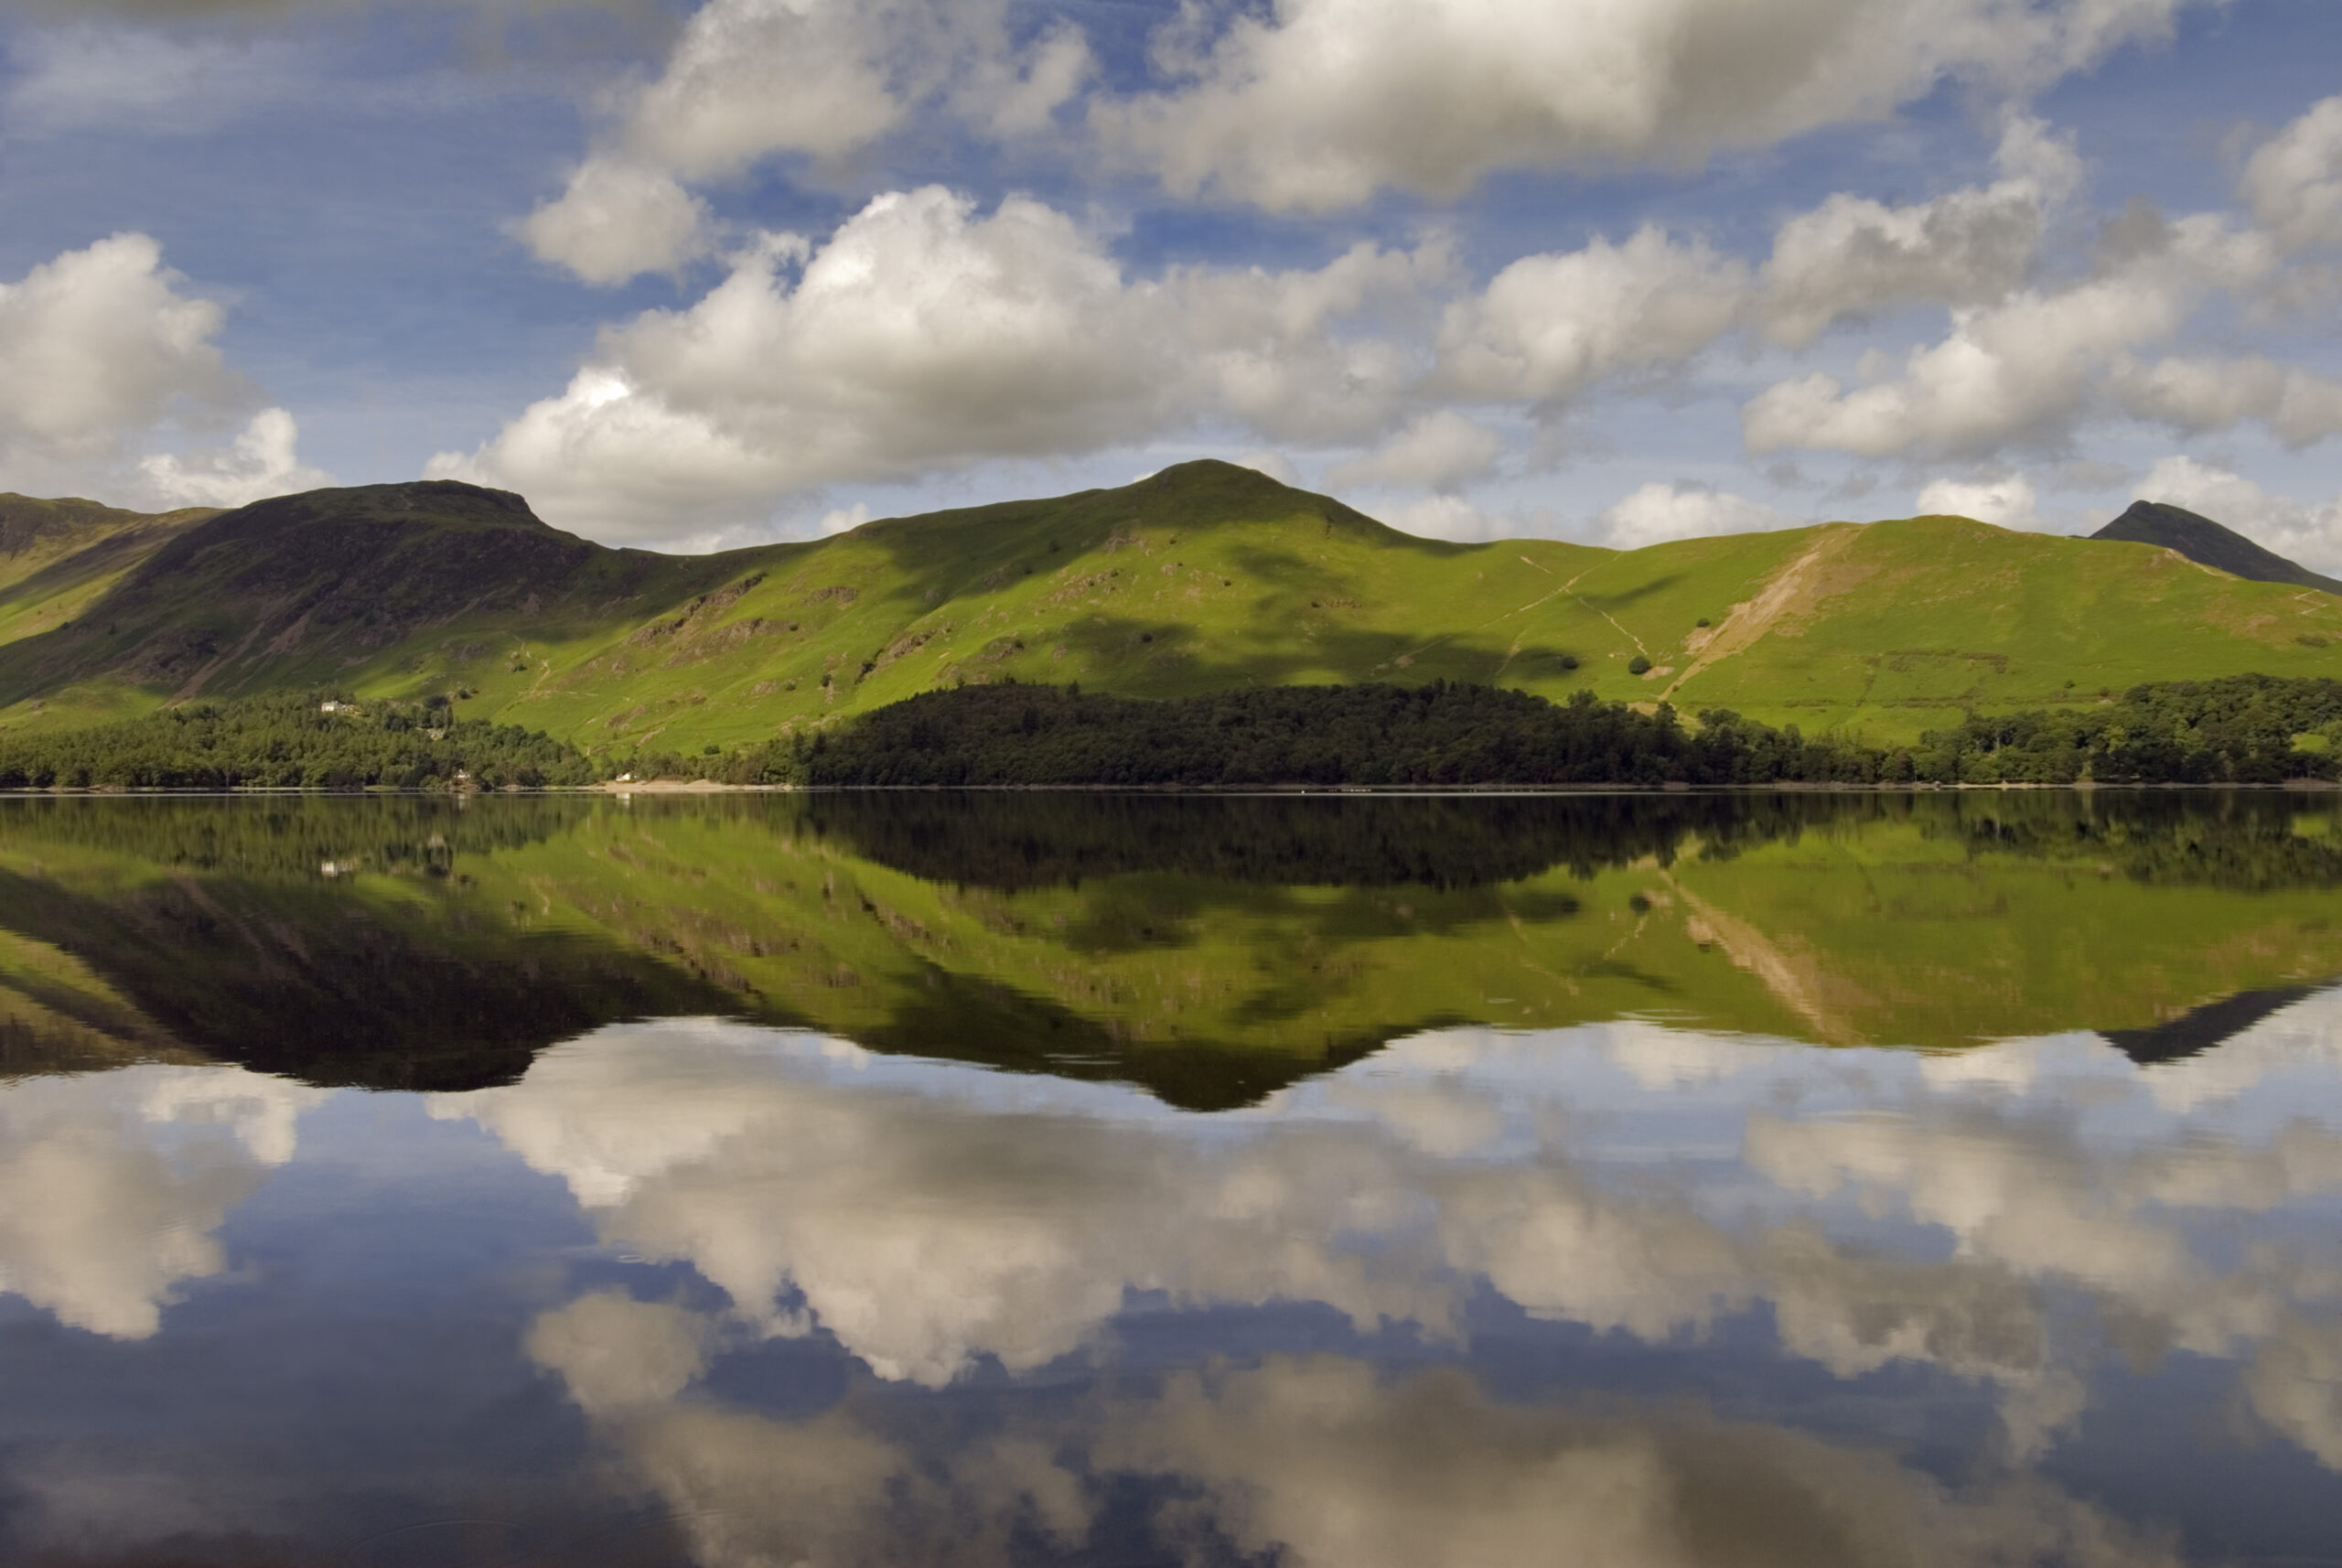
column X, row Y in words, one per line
column 1210, row 948
column 1659, row 1244
column 112, row 1188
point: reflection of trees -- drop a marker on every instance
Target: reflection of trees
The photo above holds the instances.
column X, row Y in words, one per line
column 1016, row 841
column 2247, row 841
column 1021, row 930
column 288, row 837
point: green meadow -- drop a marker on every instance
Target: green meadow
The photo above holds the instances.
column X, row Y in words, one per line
column 1203, row 577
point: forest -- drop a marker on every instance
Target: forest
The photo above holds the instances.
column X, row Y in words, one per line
column 2246, row 729
column 309, row 741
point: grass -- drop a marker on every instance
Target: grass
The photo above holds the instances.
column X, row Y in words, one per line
column 1201, row 578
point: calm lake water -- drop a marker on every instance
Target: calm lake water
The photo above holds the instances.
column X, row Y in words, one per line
column 1076, row 1180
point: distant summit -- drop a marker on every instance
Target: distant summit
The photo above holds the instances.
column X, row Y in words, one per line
column 2206, row 543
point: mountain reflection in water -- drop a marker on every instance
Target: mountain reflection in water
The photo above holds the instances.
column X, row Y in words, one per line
column 1799, row 1180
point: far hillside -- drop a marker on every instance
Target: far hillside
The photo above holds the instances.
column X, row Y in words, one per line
column 1205, row 577
column 2207, row 543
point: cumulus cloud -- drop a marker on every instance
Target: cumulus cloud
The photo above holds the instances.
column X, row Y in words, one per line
column 1317, row 105
column 1660, row 513
column 2293, row 182
column 1549, row 325
column 2310, row 533
column 97, row 345
column 1853, row 256
column 103, row 350
column 923, row 334
column 920, row 334
column 618, row 219
column 752, row 79
column 2023, row 371
column 2200, row 395
column 260, row 462
column 1443, row 517
column 1438, row 451
column 2009, row 502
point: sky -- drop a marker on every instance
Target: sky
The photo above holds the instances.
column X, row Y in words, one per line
column 698, row 274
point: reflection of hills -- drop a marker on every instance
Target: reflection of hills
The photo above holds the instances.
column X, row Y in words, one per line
column 294, row 980
column 1211, row 950
column 1020, row 840
column 2201, row 1029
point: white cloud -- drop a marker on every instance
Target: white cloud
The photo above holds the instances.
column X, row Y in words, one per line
column 97, row 345
column 2021, row 371
column 1550, row 326
column 919, row 336
column 1013, row 96
column 2311, row 535
column 922, row 334
column 1443, row 517
column 2011, row 502
column 752, row 79
column 2199, row 395
column 260, row 462
column 1658, row 512
column 1852, row 256
column 1437, row 451
column 616, row 220
column 2294, row 181
column 1318, row 104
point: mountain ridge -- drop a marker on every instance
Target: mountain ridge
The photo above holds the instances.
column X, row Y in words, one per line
column 1206, row 576
column 2208, row 543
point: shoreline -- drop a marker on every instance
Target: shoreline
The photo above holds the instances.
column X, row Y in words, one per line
column 709, row 787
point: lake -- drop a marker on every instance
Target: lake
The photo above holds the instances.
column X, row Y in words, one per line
column 1346, row 1182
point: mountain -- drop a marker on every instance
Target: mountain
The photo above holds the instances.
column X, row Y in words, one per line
column 1203, row 577
column 2206, row 543
column 57, row 556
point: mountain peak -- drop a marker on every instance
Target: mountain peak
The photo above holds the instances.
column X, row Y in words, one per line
column 446, row 501
column 2206, row 543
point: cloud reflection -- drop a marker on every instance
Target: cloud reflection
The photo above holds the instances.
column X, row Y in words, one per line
column 113, row 1184
column 1626, row 1178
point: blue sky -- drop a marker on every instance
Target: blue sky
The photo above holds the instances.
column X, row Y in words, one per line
column 693, row 273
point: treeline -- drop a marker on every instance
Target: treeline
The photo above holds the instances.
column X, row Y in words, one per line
column 2246, row 729
column 285, row 741
column 2240, row 729
column 1439, row 735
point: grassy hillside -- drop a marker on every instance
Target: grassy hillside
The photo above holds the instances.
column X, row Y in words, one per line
column 58, row 556
column 1203, row 577
column 2201, row 539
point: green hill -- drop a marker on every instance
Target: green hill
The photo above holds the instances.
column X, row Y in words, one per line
column 2202, row 540
column 1203, row 577
column 58, row 555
